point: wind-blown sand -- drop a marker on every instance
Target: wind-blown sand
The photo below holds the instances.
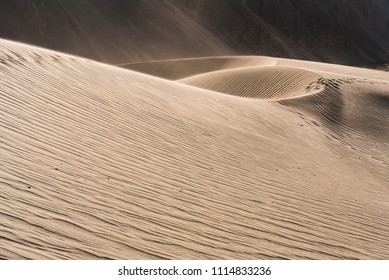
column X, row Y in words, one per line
column 242, row 158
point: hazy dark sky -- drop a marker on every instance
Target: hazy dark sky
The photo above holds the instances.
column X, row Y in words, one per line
column 120, row 31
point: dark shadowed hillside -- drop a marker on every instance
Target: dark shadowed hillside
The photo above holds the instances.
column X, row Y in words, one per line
column 343, row 31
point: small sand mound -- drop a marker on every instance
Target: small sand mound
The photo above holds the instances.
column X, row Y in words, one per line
column 260, row 82
column 336, row 69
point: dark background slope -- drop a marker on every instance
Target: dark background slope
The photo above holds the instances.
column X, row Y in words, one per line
column 120, row 31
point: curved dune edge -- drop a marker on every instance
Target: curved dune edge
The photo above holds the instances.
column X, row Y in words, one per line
column 269, row 83
column 175, row 69
column 100, row 162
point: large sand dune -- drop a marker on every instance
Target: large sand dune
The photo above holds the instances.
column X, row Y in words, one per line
column 288, row 161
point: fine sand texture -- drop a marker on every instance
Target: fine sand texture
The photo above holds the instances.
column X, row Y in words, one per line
column 209, row 158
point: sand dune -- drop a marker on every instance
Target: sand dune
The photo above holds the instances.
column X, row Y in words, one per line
column 175, row 69
column 272, row 82
column 104, row 162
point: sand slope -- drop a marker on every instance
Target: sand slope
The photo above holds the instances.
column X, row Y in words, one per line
column 103, row 162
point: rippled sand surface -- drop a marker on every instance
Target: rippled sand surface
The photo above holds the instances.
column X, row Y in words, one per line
column 211, row 158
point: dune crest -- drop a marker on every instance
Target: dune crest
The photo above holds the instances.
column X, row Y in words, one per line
column 175, row 69
column 273, row 82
